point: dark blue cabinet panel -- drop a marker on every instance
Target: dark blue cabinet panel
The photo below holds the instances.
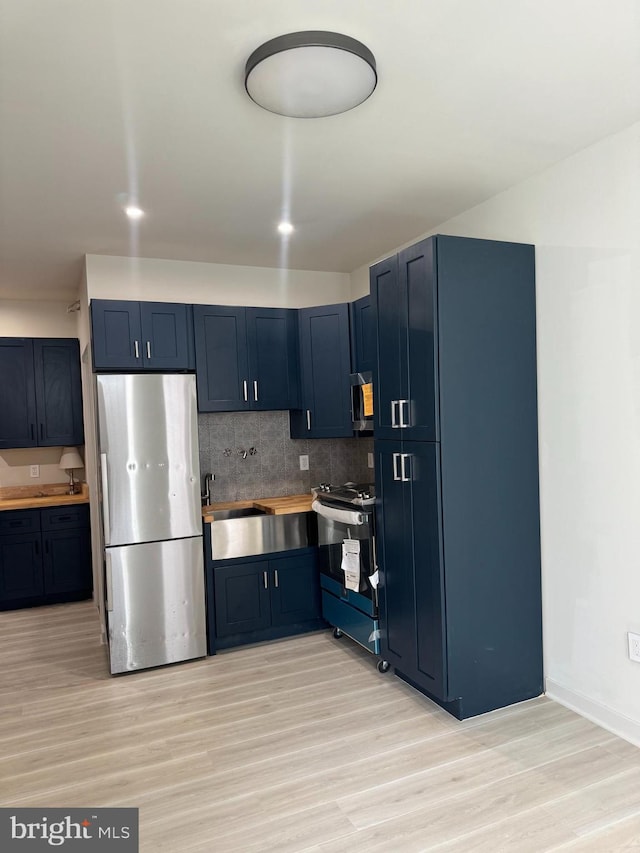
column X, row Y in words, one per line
column 458, row 511
column 262, row 598
column 222, row 363
column 246, row 358
column 165, row 327
column 404, row 298
column 325, row 358
column 116, row 334
column 242, row 598
column 295, row 590
column 20, row 567
column 140, row 335
column 363, row 336
column 18, row 423
column 49, row 566
column 41, row 392
column 273, row 358
column 67, row 562
column 58, row 391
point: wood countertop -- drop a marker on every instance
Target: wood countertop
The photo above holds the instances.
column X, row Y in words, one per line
column 272, row 506
column 36, row 497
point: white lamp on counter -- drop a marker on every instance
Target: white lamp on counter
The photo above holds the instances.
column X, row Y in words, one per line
column 70, row 460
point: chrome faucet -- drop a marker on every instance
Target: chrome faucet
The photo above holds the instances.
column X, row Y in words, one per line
column 206, row 495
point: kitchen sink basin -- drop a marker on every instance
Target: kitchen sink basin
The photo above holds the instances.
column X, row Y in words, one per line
column 246, row 532
column 229, row 514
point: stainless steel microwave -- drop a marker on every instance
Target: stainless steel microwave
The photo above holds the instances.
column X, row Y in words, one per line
column 362, row 401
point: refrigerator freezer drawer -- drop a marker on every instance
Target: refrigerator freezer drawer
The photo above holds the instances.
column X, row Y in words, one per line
column 155, row 602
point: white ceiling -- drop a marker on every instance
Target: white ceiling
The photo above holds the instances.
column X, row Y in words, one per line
column 105, row 100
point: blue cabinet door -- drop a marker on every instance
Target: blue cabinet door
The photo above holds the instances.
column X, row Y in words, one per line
column 363, row 336
column 20, row 567
column 325, row 368
column 295, row 589
column 222, row 367
column 116, row 335
column 273, row 358
column 67, row 562
column 397, row 587
column 58, row 392
column 417, row 284
column 164, row 329
column 18, row 425
column 242, row 598
column 390, row 370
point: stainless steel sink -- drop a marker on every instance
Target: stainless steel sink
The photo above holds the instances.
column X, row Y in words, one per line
column 228, row 514
column 245, row 532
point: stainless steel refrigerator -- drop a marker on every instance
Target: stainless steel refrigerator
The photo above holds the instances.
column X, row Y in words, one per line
column 154, row 573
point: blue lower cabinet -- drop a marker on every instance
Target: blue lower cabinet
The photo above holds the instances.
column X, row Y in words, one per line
column 264, row 598
column 45, row 556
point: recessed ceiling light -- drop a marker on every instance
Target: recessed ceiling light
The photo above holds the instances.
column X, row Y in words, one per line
column 285, row 228
column 134, row 212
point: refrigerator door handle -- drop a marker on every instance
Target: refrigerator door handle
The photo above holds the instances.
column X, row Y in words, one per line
column 106, row 521
column 108, row 582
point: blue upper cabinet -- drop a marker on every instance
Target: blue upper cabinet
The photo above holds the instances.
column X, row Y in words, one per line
column 403, row 292
column 41, row 392
column 363, row 336
column 140, row 335
column 18, row 419
column 58, row 391
column 272, row 338
column 325, row 361
column 246, row 358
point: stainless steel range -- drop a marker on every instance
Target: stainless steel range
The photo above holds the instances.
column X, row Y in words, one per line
column 348, row 570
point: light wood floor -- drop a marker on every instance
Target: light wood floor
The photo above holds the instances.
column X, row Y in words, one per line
column 297, row 746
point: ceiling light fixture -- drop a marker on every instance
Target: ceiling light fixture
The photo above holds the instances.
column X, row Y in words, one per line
column 310, row 74
column 134, row 212
column 285, row 228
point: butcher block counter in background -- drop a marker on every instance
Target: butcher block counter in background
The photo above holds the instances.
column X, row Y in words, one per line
column 272, row 506
column 36, row 497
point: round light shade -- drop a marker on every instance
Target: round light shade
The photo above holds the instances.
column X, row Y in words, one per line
column 310, row 74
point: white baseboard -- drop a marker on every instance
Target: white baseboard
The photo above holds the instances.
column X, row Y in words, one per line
column 604, row 716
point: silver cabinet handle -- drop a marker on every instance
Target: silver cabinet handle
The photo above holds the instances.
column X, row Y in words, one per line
column 148, row 349
column 394, row 423
column 308, row 419
column 275, row 578
column 108, row 585
column 245, row 390
column 136, row 348
column 105, row 499
column 401, row 403
column 255, row 390
column 396, row 476
column 403, row 460
column 265, row 580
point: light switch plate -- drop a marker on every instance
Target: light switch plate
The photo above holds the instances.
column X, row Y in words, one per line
column 304, row 462
column 34, row 470
column 370, row 460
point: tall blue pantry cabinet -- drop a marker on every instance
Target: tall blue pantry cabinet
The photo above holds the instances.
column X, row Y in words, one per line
column 457, row 471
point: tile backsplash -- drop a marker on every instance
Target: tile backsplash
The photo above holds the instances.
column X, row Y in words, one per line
column 274, row 469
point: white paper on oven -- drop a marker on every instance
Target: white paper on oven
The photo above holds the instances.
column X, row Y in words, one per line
column 351, row 563
column 374, row 579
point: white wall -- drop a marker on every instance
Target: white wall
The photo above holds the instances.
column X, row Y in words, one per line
column 583, row 215
column 110, row 277
column 36, row 319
